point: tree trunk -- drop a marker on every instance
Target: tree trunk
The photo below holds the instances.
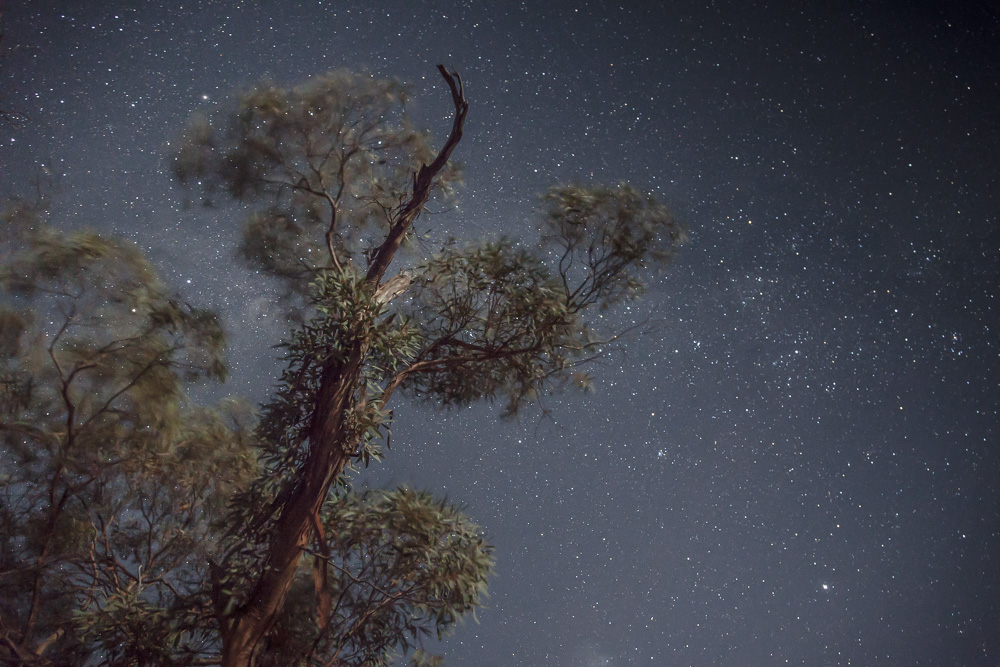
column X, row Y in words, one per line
column 329, row 450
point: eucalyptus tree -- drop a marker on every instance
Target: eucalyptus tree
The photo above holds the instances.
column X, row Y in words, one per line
column 139, row 528
column 117, row 490
column 336, row 175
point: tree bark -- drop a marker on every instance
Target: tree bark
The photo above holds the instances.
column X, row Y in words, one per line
column 329, row 451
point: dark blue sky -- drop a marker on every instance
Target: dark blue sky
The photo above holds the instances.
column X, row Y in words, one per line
column 801, row 465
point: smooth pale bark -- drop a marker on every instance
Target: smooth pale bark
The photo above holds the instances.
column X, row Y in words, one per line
column 328, row 443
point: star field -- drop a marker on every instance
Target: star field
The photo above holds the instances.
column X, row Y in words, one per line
column 798, row 463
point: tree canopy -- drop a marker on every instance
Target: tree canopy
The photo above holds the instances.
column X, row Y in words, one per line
column 140, row 528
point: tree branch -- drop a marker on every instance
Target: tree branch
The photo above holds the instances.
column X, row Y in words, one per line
column 423, row 182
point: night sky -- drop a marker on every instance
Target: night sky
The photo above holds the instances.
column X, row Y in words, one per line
column 800, row 464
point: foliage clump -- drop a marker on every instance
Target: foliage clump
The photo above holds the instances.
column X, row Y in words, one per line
column 110, row 480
